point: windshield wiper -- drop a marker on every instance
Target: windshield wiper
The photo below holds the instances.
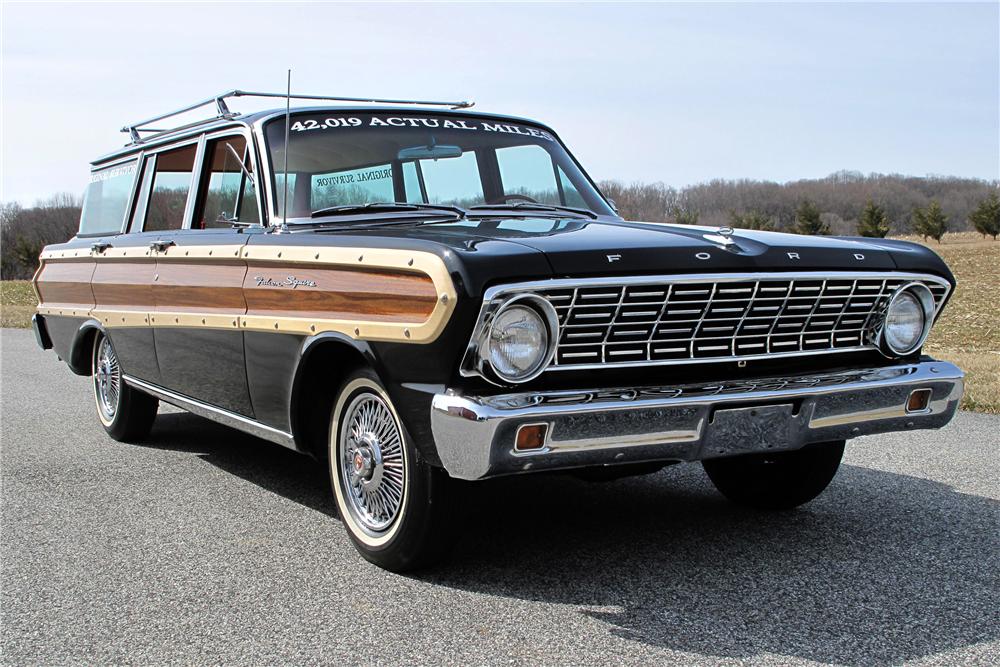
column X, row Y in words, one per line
column 532, row 206
column 387, row 207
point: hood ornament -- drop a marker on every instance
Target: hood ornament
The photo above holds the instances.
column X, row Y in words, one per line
column 722, row 237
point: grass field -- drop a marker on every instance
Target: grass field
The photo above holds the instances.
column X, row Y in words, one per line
column 968, row 334
column 17, row 303
column 969, row 331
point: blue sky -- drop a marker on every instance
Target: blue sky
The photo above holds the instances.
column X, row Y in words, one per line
column 679, row 93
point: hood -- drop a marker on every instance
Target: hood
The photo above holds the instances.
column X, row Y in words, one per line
column 577, row 247
column 494, row 250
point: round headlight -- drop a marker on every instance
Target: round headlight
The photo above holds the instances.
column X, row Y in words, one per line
column 908, row 318
column 518, row 343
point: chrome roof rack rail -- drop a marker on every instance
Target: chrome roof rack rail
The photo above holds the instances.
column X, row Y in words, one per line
column 134, row 130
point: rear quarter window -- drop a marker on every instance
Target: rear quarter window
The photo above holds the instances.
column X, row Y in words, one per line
column 106, row 199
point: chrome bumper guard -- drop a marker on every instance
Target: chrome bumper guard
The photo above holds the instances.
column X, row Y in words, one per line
column 475, row 435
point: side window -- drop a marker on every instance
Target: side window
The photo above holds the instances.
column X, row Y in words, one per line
column 106, row 199
column 352, row 186
column 528, row 171
column 171, row 185
column 227, row 195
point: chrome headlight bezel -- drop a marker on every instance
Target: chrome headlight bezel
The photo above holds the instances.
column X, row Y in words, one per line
column 925, row 299
column 547, row 314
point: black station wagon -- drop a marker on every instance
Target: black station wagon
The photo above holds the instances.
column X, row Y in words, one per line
column 416, row 294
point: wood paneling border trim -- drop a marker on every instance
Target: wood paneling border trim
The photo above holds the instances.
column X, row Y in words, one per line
column 399, row 295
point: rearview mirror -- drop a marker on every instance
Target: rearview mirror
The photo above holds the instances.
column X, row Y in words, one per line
column 431, row 152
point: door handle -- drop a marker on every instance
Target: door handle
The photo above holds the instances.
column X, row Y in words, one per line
column 161, row 245
column 99, row 247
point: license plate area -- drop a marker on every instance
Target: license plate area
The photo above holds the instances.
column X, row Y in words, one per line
column 747, row 430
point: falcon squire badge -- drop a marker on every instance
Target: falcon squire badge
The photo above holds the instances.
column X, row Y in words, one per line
column 289, row 281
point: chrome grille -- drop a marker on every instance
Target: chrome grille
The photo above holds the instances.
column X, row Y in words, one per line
column 684, row 319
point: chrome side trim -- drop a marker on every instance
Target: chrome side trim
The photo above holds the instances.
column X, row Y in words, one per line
column 219, row 415
column 475, row 435
column 499, row 292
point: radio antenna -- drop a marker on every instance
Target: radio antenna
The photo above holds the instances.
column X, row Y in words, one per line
column 288, row 114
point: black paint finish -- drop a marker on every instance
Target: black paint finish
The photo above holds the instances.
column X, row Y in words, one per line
column 272, row 359
column 478, row 253
column 205, row 364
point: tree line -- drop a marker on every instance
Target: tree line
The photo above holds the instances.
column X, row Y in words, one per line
column 25, row 231
column 845, row 203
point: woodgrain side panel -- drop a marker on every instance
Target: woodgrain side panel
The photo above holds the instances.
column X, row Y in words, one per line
column 65, row 284
column 123, row 291
column 339, row 293
column 365, row 293
column 124, row 285
column 199, row 287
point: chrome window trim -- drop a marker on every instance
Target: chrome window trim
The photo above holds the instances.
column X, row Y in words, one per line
column 149, row 153
column 197, row 173
column 498, row 292
column 247, row 133
column 153, row 153
column 156, row 143
column 264, row 194
column 140, row 162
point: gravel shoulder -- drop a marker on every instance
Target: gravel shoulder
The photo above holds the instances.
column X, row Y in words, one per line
column 203, row 545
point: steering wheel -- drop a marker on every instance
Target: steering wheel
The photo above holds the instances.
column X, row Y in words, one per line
column 506, row 199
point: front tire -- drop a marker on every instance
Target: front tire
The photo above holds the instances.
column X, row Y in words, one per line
column 776, row 481
column 125, row 413
column 392, row 503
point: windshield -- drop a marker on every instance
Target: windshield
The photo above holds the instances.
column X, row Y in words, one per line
column 371, row 157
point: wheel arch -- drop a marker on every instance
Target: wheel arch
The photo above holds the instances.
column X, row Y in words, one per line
column 82, row 347
column 324, row 361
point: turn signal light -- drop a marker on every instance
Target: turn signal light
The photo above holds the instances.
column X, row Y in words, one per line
column 530, row 437
column 918, row 401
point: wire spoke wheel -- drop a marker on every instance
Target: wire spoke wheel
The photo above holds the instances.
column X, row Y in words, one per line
column 107, row 379
column 372, row 462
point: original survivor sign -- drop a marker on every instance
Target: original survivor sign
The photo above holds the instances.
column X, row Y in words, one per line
column 426, row 122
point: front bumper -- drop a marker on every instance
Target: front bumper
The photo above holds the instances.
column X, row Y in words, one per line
column 475, row 435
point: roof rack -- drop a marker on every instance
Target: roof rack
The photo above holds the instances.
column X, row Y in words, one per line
column 223, row 112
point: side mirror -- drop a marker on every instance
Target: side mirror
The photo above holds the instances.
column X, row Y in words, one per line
column 612, row 204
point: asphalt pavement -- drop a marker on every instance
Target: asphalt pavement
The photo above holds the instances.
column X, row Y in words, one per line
column 204, row 545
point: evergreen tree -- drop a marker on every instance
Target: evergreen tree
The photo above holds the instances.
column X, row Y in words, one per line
column 807, row 220
column 930, row 222
column 873, row 222
column 683, row 216
column 752, row 220
column 986, row 217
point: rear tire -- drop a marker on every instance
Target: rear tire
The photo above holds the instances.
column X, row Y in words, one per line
column 125, row 413
column 394, row 505
column 776, row 481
